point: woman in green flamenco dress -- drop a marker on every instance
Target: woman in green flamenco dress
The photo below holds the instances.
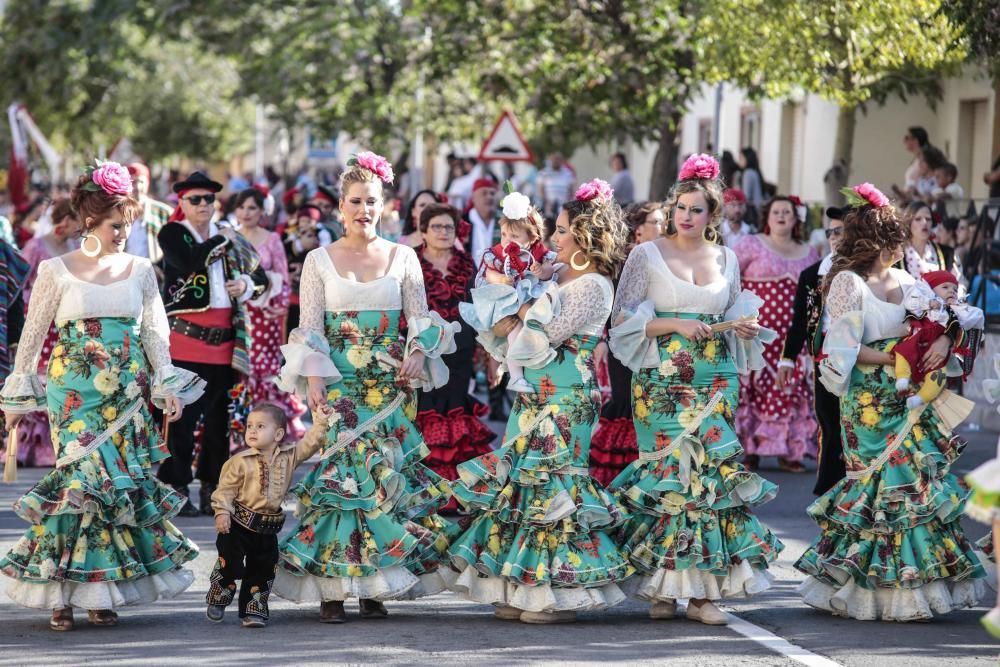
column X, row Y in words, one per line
column 540, row 546
column 367, row 527
column 101, row 536
column 890, row 547
column 692, row 533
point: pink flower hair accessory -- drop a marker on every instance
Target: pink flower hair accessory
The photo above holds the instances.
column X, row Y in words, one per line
column 865, row 194
column 699, row 165
column 595, row 189
column 110, row 177
column 374, row 163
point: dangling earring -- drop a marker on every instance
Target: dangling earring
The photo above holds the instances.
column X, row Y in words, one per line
column 83, row 246
column 581, row 267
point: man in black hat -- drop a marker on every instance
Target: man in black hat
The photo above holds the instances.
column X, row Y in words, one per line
column 209, row 274
column 809, row 325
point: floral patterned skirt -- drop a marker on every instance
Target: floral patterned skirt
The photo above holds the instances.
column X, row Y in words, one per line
column 769, row 421
column 101, row 535
column 890, row 546
column 692, row 533
column 366, row 526
column 541, row 535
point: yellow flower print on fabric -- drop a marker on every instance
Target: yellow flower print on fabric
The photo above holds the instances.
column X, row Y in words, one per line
column 373, row 398
column 865, row 398
column 869, row 416
column 110, row 413
column 56, row 368
column 77, row 426
column 106, row 382
column 673, row 346
column 359, row 356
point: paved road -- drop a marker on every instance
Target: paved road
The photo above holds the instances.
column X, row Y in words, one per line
column 445, row 630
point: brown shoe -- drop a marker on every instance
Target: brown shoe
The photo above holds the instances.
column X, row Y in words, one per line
column 372, row 609
column 752, row 462
column 786, row 465
column 62, row 619
column 332, row 612
column 102, row 617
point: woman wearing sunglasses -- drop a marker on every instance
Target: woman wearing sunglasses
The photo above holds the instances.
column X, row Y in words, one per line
column 209, row 276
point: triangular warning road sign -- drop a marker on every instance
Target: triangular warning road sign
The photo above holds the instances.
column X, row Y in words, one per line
column 506, row 143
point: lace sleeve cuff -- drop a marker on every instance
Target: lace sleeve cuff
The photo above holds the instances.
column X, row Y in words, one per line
column 628, row 341
column 840, row 351
column 435, row 337
column 168, row 381
column 307, row 354
column 748, row 355
column 532, row 347
column 22, row 392
column 275, row 290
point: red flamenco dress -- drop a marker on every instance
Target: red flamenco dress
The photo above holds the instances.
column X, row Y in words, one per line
column 449, row 418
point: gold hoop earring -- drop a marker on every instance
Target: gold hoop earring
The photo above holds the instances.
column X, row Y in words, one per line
column 83, row 246
column 581, row 267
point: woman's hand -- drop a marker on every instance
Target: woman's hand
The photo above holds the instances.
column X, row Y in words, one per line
column 413, row 366
column 937, row 354
column 235, row 288
column 747, row 330
column 497, row 278
column 316, row 395
column 172, row 409
column 503, row 328
column 784, row 375
column 693, row 330
column 600, row 353
column 12, row 419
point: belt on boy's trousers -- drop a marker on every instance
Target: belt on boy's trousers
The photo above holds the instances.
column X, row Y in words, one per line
column 265, row 523
column 210, row 335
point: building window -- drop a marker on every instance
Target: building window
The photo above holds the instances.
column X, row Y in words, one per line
column 705, row 135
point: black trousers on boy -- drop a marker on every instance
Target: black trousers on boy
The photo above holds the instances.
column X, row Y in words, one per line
column 250, row 557
column 830, row 467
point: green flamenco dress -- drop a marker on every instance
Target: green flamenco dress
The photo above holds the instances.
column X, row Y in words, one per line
column 692, row 532
column 367, row 526
column 541, row 536
column 891, row 547
column 101, row 535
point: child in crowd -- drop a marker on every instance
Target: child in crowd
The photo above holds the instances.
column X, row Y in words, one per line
column 514, row 272
column 248, row 516
column 936, row 308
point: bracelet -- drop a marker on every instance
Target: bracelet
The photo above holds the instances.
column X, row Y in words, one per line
column 786, row 363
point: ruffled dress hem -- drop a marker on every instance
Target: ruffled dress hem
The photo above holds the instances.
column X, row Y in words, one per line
column 488, row 589
column 101, row 595
column 892, row 604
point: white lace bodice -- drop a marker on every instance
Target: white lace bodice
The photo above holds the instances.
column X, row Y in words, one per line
column 60, row 296
column 849, row 292
column 646, row 276
column 323, row 289
column 584, row 306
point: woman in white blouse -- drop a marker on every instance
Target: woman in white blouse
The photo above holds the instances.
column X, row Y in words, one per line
column 692, row 533
column 101, row 536
column 890, row 547
column 368, row 528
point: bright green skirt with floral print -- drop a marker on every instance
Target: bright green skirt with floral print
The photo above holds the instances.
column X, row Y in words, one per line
column 100, row 517
column 367, row 526
column 891, row 546
column 691, row 532
column 540, row 539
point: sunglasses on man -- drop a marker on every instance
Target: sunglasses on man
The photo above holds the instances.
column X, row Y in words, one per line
column 196, row 200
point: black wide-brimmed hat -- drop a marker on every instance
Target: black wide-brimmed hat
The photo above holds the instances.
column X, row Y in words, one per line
column 838, row 212
column 197, row 180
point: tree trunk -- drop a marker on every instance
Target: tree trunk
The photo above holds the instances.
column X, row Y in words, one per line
column 996, row 122
column 664, row 172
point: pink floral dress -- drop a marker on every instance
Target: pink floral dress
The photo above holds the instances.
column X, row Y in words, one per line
column 267, row 334
column 771, row 422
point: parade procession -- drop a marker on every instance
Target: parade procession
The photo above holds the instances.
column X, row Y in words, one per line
column 524, row 333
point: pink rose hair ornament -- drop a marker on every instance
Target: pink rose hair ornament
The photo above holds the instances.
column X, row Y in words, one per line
column 374, row 163
column 595, row 189
column 699, row 166
column 110, row 177
column 865, row 194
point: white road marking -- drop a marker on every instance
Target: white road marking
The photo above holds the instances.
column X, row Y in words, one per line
column 775, row 643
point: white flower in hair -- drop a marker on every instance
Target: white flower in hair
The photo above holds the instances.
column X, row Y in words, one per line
column 516, row 206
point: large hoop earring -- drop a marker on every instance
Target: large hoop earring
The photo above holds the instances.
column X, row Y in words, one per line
column 581, row 267
column 83, row 246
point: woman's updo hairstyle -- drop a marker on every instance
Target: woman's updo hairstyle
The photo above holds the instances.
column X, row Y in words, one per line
column 870, row 227
column 700, row 173
column 598, row 226
column 100, row 191
column 366, row 167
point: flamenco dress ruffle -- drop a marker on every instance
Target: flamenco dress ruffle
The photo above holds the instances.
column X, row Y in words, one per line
column 101, row 535
column 692, row 533
column 366, row 524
